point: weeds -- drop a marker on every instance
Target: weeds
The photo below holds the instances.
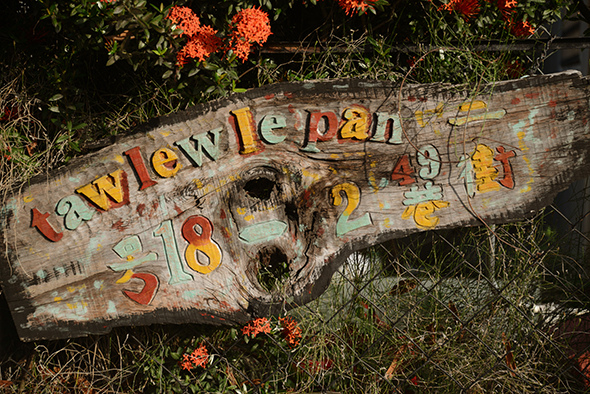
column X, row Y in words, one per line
column 427, row 313
column 469, row 310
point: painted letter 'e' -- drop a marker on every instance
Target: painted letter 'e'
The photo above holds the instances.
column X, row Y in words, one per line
column 165, row 162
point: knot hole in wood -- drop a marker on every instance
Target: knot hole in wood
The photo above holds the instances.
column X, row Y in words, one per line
column 273, row 269
column 260, row 188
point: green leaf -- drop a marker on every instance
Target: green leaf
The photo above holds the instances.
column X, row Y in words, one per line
column 193, row 72
column 56, row 97
column 157, row 19
column 121, row 24
column 167, row 74
column 211, row 66
column 145, row 18
column 54, row 108
column 118, row 9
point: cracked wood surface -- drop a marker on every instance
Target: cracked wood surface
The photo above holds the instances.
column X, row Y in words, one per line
column 229, row 210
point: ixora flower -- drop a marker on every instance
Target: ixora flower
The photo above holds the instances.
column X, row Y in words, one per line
column 200, row 46
column 185, row 19
column 352, row 6
column 248, row 27
column 291, row 331
column 257, row 326
column 202, row 40
column 467, row 8
column 506, row 7
column 198, row 358
column 521, row 29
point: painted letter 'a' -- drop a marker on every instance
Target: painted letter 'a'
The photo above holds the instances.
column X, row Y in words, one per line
column 109, row 191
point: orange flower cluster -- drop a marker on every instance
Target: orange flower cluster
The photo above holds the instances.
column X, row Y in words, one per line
column 470, row 8
column 291, row 331
column 202, row 41
column 467, row 8
column 249, row 26
column 519, row 29
column 352, row 6
column 506, row 7
column 257, row 326
column 185, row 19
column 198, row 358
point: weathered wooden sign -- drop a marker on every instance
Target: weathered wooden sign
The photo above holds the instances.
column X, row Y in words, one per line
column 232, row 209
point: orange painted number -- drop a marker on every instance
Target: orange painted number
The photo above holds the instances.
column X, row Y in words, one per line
column 200, row 243
column 403, row 171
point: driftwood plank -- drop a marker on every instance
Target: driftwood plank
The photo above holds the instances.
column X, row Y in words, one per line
column 230, row 210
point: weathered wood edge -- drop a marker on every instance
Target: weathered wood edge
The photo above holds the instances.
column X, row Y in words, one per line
column 318, row 87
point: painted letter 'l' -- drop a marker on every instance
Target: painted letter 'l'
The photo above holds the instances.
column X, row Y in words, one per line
column 246, row 130
column 140, row 168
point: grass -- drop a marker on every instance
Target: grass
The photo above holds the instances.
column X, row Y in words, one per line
column 422, row 314
column 438, row 312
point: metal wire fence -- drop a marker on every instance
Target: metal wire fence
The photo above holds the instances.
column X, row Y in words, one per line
column 473, row 310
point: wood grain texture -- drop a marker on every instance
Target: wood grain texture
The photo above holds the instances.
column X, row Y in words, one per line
column 183, row 220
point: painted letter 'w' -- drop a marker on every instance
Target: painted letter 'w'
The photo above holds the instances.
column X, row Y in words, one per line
column 109, row 191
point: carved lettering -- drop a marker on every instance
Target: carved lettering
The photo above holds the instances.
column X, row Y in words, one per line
column 107, row 192
column 75, row 211
column 329, row 122
column 165, row 162
column 207, row 143
column 39, row 221
column 140, row 169
column 246, row 131
column 387, row 124
column 357, row 123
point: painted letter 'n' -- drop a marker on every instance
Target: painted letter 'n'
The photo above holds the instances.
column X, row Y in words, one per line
column 385, row 121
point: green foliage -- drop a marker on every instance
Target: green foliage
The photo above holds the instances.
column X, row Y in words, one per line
column 93, row 65
column 77, row 72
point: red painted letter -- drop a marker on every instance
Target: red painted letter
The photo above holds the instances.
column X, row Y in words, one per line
column 140, row 168
column 146, row 295
column 40, row 221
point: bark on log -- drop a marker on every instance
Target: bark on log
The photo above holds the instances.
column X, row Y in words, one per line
column 227, row 211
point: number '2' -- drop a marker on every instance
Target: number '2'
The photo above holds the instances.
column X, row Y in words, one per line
column 353, row 194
